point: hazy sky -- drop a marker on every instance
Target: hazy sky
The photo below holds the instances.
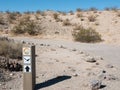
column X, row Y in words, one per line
column 60, row 5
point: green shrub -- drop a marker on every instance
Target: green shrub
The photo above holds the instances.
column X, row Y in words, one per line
column 87, row 35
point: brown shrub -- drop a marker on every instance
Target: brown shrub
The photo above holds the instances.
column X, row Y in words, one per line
column 66, row 22
column 9, row 48
column 92, row 18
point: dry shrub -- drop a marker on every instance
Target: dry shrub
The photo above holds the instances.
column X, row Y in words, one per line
column 92, row 18
column 71, row 12
column 93, row 9
column 9, row 48
column 107, row 9
column 78, row 10
column 66, row 22
column 118, row 14
column 79, row 15
column 2, row 22
column 55, row 16
column 87, row 35
column 26, row 25
column 115, row 9
column 77, row 27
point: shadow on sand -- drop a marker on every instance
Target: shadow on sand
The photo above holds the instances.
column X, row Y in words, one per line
column 51, row 82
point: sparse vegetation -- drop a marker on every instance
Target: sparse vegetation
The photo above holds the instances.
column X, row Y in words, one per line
column 2, row 20
column 10, row 49
column 38, row 12
column 118, row 14
column 78, row 10
column 114, row 9
column 87, row 35
column 66, row 22
column 92, row 18
column 92, row 9
column 77, row 27
column 107, row 9
column 26, row 25
column 71, row 12
column 55, row 16
column 79, row 15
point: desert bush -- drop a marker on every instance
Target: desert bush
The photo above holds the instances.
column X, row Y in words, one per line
column 9, row 48
column 71, row 12
column 87, row 35
column 78, row 10
column 79, row 15
column 38, row 12
column 92, row 18
column 77, row 27
column 55, row 16
column 92, row 9
column 114, row 9
column 2, row 20
column 26, row 25
column 107, row 9
column 66, row 22
column 118, row 14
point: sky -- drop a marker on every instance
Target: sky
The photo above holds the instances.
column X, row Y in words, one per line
column 56, row 5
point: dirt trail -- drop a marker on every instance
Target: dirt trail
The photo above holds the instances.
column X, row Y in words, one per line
column 109, row 52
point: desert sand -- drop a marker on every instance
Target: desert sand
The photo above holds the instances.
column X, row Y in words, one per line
column 63, row 64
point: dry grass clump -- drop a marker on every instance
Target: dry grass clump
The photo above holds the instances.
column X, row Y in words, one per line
column 9, row 48
column 77, row 27
column 66, row 22
column 79, row 15
column 92, row 18
column 26, row 25
column 115, row 9
column 2, row 20
column 93, row 9
column 78, row 10
column 107, row 9
column 87, row 35
column 71, row 12
column 55, row 16
column 118, row 14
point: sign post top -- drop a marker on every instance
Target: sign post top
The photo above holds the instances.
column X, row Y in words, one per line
column 26, row 51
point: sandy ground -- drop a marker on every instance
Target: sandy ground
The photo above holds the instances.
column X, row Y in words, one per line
column 62, row 65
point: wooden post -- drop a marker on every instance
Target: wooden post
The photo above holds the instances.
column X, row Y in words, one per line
column 29, row 73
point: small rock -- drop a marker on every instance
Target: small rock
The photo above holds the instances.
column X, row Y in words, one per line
column 109, row 66
column 95, row 84
column 11, row 74
column 111, row 77
column 53, row 49
column 75, row 75
column 41, row 44
column 97, row 63
column 74, row 49
column 90, row 59
column 62, row 47
column 81, row 52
